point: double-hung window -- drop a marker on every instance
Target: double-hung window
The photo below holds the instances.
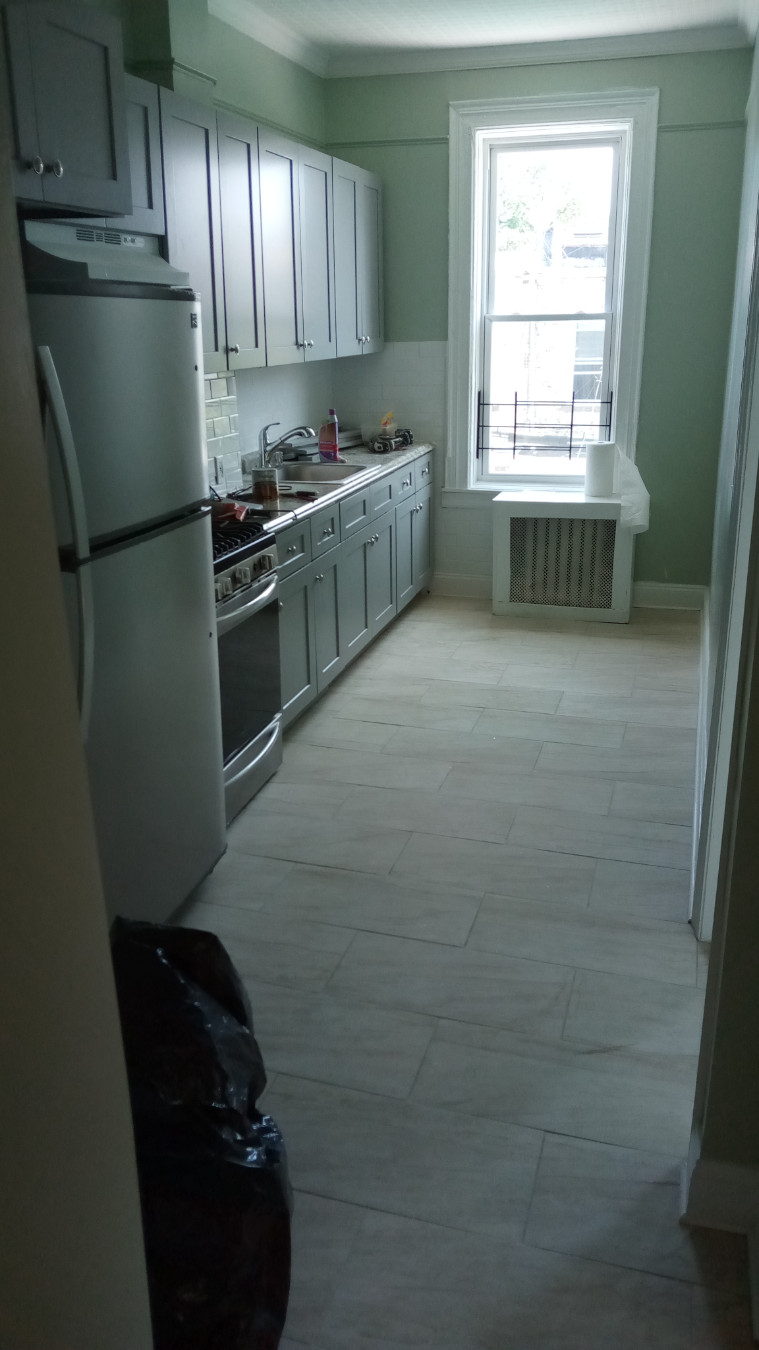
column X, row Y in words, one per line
column 550, row 226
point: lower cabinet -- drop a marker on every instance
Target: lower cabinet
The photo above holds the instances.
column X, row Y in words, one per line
column 413, row 552
column 331, row 609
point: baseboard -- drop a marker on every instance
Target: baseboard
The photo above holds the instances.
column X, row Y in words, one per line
column 721, row 1195
column 702, row 732
column 464, row 587
column 659, row 595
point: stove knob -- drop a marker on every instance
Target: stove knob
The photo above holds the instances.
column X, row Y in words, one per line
column 242, row 576
column 217, row 591
column 226, row 586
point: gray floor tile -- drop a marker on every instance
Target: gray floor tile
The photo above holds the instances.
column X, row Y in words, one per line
column 626, row 1011
column 301, row 799
column 402, row 711
column 241, row 880
column 557, row 653
column 544, row 727
column 462, row 747
column 323, row 1232
column 599, row 836
column 638, row 765
column 335, row 843
column 637, row 888
column 636, row 1099
column 594, row 678
column 660, row 708
column 488, row 782
column 520, row 698
column 380, row 904
column 410, row 1285
column 720, row 1321
column 497, row 867
column 267, row 947
column 396, row 669
column 334, row 1040
column 646, row 801
column 618, row 944
column 621, row 1205
column 429, row 812
column 323, row 728
column 463, row 983
column 315, row 764
column 393, row 1156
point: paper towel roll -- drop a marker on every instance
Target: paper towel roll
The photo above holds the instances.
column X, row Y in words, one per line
column 600, row 458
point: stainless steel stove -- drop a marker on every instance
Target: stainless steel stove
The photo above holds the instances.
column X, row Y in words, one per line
column 247, row 623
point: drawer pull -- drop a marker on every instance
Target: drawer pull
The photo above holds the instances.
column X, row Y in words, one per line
column 327, row 534
column 292, row 548
column 425, row 471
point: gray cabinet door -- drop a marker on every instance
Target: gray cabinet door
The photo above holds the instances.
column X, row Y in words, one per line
column 347, row 319
column 297, row 643
column 191, row 172
column 241, row 242
column 144, row 141
column 422, row 539
column 369, row 261
column 404, row 551
column 353, row 594
column 280, row 233
column 329, row 655
column 318, row 299
column 381, row 577
column 67, row 84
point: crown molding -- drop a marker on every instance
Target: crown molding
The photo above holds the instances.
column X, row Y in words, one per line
column 278, row 37
column 675, row 42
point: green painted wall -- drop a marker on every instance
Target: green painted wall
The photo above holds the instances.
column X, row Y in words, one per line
column 254, row 80
column 398, row 127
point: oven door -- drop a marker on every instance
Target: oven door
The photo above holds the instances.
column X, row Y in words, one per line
column 251, row 699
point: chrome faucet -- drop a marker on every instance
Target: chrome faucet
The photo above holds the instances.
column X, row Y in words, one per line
column 271, row 448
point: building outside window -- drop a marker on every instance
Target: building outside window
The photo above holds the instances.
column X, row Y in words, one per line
column 551, row 215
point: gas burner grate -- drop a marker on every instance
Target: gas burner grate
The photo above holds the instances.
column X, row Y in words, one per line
column 234, row 534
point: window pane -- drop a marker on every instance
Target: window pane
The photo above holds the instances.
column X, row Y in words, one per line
column 551, row 213
column 548, row 376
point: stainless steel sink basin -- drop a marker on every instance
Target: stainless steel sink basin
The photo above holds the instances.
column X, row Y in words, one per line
column 317, row 473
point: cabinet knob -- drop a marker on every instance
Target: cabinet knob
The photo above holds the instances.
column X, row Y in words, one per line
column 310, row 342
column 319, row 576
column 234, row 350
column 36, row 165
column 420, row 507
column 292, row 548
column 55, row 167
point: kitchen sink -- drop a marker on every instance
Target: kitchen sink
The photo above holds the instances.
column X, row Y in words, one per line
column 317, row 473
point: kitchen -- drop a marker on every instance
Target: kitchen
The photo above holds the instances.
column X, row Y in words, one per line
column 418, row 169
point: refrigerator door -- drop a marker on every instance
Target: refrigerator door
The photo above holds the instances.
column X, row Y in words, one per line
column 154, row 745
column 129, row 368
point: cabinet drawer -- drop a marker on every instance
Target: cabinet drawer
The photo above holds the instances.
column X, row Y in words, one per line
column 294, row 548
column 405, row 482
column 325, row 530
column 355, row 513
column 383, row 495
column 423, row 472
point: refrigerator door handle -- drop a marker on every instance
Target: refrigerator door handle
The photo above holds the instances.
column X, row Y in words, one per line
column 86, row 647
column 54, row 403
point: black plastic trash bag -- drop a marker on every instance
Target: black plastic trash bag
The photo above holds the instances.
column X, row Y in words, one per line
column 214, row 1188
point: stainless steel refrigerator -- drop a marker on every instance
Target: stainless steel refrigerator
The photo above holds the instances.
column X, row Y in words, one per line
column 117, row 334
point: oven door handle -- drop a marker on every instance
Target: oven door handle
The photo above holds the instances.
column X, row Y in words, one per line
column 225, row 622
column 251, row 764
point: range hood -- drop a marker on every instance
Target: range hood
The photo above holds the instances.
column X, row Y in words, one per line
column 63, row 251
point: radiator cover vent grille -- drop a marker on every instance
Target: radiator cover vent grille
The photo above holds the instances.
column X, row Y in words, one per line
column 558, row 561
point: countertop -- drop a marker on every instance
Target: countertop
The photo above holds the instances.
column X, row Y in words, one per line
column 375, row 467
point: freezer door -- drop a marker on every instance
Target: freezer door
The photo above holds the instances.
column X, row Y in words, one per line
column 154, row 737
column 130, row 372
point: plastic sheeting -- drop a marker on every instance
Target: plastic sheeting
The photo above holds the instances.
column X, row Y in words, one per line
column 213, row 1177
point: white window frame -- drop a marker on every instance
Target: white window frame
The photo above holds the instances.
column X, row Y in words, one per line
column 631, row 114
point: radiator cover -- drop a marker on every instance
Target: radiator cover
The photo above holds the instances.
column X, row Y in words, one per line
column 568, row 559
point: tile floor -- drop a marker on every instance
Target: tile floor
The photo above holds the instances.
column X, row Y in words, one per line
column 461, row 911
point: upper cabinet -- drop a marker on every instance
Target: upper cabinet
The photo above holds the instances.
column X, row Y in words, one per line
column 296, row 225
column 67, row 95
column 241, row 242
column 193, row 214
column 144, row 141
column 358, row 260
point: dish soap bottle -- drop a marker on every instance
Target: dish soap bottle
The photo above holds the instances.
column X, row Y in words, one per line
column 328, row 443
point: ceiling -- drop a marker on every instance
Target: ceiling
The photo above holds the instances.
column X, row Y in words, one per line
column 350, row 37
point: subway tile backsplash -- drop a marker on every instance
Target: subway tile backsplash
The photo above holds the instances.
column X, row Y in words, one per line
column 222, row 430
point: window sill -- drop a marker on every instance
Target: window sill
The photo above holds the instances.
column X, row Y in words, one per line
column 546, row 500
